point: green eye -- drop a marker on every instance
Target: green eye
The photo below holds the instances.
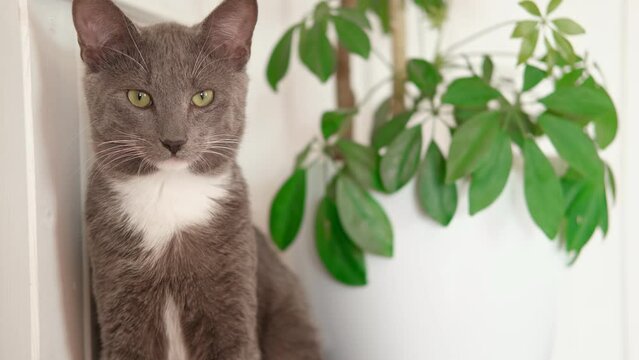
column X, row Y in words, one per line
column 203, row 98
column 139, row 98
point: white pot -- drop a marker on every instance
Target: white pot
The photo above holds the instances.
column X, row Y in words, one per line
column 485, row 288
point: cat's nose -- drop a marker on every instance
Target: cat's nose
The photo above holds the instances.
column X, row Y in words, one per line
column 173, row 145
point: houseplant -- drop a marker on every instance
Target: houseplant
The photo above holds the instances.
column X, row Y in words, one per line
column 487, row 122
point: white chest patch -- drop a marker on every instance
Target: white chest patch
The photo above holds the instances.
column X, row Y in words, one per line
column 176, row 349
column 162, row 204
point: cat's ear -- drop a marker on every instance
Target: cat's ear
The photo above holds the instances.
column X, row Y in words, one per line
column 229, row 30
column 101, row 27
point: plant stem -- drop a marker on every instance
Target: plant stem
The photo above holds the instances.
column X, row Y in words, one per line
column 372, row 92
column 478, row 35
column 398, row 34
column 345, row 95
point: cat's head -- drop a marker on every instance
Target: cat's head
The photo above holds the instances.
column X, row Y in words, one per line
column 165, row 96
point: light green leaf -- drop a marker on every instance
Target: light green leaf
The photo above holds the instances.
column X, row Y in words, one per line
column 524, row 28
column 569, row 79
column 532, row 77
column 362, row 163
column 352, row 37
column 316, row 51
column 386, row 133
column 401, row 160
column 280, row 59
column 487, row 68
column 471, row 144
column 341, row 257
column 568, row 27
column 437, row 199
column 528, row 46
column 611, row 182
column 573, row 145
column 470, row 92
column 564, row 47
column 354, row 15
column 542, row 188
column 489, row 180
column 552, row 5
column 424, row 75
column 530, row 7
column 287, row 210
column 583, row 215
column 363, row 218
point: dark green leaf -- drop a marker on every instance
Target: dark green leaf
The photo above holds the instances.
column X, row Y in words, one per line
column 382, row 114
column 605, row 124
column 332, row 121
column 530, row 7
column 528, row 46
column 436, row 11
column 438, row 199
column 569, row 79
column 300, row 160
column 343, row 259
column 564, row 47
column 322, row 12
column 573, row 145
column 280, row 59
column 362, row 163
column 471, row 144
column 316, row 51
column 386, row 133
column 401, row 160
column 363, row 218
column 355, row 15
column 471, row 91
column 489, row 180
column 524, row 28
column 424, row 75
column 382, row 10
column 542, row 189
column 552, row 5
column 583, row 216
column 610, row 181
column 352, row 37
column 463, row 114
column 568, row 26
column 487, row 68
column 532, row 77
column 287, row 210
column 603, row 218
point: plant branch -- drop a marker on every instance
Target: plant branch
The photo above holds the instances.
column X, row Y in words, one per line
column 345, row 95
column 398, row 33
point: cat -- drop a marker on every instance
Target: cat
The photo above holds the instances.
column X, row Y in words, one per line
column 178, row 270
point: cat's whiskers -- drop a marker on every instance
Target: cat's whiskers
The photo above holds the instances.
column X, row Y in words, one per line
column 128, row 56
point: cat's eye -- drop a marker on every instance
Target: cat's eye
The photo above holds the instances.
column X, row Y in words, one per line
column 139, row 98
column 203, row 98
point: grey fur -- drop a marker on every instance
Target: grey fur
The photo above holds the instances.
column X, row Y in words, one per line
column 236, row 299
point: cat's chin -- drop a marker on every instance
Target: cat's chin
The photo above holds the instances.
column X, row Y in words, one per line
column 172, row 165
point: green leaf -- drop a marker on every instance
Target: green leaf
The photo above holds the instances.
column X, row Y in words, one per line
column 472, row 92
column 564, row 47
column 610, row 181
column 586, row 102
column 354, row 15
column 542, row 189
column 382, row 114
column 302, row 156
column 568, row 27
column 280, row 59
column 583, row 216
column 401, row 160
column 316, row 51
column 528, row 46
column 332, row 121
column 488, row 182
column 569, row 79
column 552, row 5
column 382, row 10
column 532, row 77
column 424, row 75
column 287, row 210
column 530, row 7
column 573, row 145
column 524, row 28
column 362, row 163
column 363, row 218
column 471, row 144
column 603, row 217
column 487, row 68
column 386, row 133
column 341, row 257
column 352, row 37
column 436, row 11
column 438, row 199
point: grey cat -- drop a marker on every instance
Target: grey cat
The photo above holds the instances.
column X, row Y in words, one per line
column 178, row 270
